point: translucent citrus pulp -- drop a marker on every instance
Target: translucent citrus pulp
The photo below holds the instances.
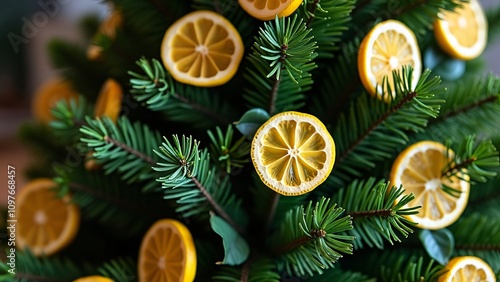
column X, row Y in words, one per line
column 93, row 278
column 46, row 224
column 293, row 153
column 419, row 169
column 462, row 33
column 466, row 269
column 265, row 10
column 167, row 253
column 388, row 47
column 202, row 49
column 109, row 101
column 48, row 95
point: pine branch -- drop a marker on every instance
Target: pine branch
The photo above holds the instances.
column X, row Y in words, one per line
column 473, row 157
column 375, row 215
column 372, row 130
column 69, row 117
column 310, row 239
column 280, row 65
column 184, row 166
column 178, row 102
column 125, row 148
column 337, row 274
column 328, row 20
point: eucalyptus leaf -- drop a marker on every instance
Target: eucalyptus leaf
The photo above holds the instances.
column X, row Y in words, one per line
column 251, row 121
column 236, row 249
column 439, row 244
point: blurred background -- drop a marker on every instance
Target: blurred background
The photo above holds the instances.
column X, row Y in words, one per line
column 24, row 63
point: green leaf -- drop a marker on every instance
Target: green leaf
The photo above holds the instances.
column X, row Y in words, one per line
column 439, row 244
column 251, row 121
column 236, row 249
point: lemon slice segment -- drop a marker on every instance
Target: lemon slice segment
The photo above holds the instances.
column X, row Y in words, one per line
column 46, row 224
column 388, row 47
column 202, row 49
column 167, row 253
column 419, row 169
column 265, row 10
column 462, row 33
column 293, row 153
column 466, row 269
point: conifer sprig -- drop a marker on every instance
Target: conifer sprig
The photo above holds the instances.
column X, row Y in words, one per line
column 230, row 156
column 69, row 117
column 125, row 148
column 310, row 238
column 372, row 130
column 188, row 176
column 281, row 61
column 176, row 101
column 376, row 217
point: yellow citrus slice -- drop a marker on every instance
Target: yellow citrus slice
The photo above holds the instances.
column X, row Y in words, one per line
column 93, row 278
column 293, row 153
column 419, row 168
column 109, row 101
column 202, row 49
column 465, row 269
column 265, row 10
column 108, row 27
column 167, row 253
column 388, row 47
column 46, row 224
column 462, row 33
column 48, row 95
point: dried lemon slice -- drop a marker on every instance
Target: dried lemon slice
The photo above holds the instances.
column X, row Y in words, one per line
column 202, row 49
column 48, row 95
column 265, row 10
column 419, row 169
column 388, row 47
column 109, row 101
column 293, row 153
column 93, row 278
column 167, row 253
column 46, row 224
column 462, row 33
column 468, row 269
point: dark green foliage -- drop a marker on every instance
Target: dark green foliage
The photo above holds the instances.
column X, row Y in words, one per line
column 376, row 217
column 478, row 235
column 230, row 156
column 30, row 268
column 120, row 270
column 255, row 270
column 69, row 117
column 338, row 274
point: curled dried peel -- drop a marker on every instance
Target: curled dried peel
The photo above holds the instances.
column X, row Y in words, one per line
column 293, row 153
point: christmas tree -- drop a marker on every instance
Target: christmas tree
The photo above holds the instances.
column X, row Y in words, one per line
column 292, row 140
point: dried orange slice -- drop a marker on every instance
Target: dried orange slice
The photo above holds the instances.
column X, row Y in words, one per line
column 419, row 168
column 48, row 95
column 167, row 253
column 93, row 278
column 388, row 47
column 467, row 269
column 46, row 224
column 202, row 49
column 109, row 101
column 462, row 33
column 293, row 153
column 265, row 10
